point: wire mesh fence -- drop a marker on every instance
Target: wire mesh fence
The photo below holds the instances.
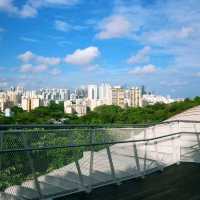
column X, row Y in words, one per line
column 42, row 162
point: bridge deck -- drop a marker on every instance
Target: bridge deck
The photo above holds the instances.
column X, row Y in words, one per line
column 175, row 182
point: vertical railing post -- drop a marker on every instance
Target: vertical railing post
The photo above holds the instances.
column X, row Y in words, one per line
column 137, row 162
column 179, row 127
column 92, row 136
column 145, row 152
column 197, row 134
column 31, row 163
column 157, row 159
column 1, row 148
column 174, row 150
column 111, row 165
column 176, row 143
column 179, row 142
column 112, row 168
column 75, row 156
column 79, row 173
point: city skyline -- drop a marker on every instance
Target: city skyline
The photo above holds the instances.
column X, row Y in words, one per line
column 80, row 100
column 80, row 87
column 68, row 43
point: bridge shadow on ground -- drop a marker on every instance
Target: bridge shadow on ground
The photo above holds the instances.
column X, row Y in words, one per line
column 177, row 182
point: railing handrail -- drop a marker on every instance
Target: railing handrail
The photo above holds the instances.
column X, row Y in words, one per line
column 95, row 144
column 58, row 126
column 65, row 130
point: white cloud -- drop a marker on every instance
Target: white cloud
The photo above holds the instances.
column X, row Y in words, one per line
column 40, row 68
column 58, row 2
column 30, row 8
column 47, row 60
column 28, row 11
column 26, row 68
column 115, row 26
column 142, row 56
column 167, row 36
column 62, row 26
column 36, row 64
column 146, row 69
column 65, row 27
column 83, row 56
column 8, row 6
column 29, row 68
column 28, row 56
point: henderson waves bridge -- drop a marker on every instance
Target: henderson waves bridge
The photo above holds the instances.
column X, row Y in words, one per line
column 109, row 155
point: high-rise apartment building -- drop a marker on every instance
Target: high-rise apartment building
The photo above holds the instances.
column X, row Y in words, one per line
column 4, row 103
column 105, row 94
column 35, row 103
column 93, row 93
column 118, row 96
column 29, row 104
column 135, row 96
column 14, row 97
column 26, row 104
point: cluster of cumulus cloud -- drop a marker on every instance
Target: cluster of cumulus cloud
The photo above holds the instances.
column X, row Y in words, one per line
column 35, row 63
column 81, row 57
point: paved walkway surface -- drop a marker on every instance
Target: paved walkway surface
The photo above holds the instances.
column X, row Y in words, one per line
column 177, row 182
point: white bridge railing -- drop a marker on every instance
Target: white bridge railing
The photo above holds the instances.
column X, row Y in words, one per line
column 41, row 163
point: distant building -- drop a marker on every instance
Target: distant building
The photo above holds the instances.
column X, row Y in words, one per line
column 80, row 93
column 26, row 104
column 151, row 99
column 135, row 97
column 14, row 97
column 93, row 92
column 29, row 104
column 105, row 94
column 143, row 90
column 118, row 96
column 78, row 107
column 35, row 103
column 5, row 102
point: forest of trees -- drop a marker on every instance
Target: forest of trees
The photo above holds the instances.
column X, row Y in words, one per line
column 101, row 115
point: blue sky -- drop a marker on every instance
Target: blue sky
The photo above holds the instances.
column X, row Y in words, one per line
column 67, row 43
